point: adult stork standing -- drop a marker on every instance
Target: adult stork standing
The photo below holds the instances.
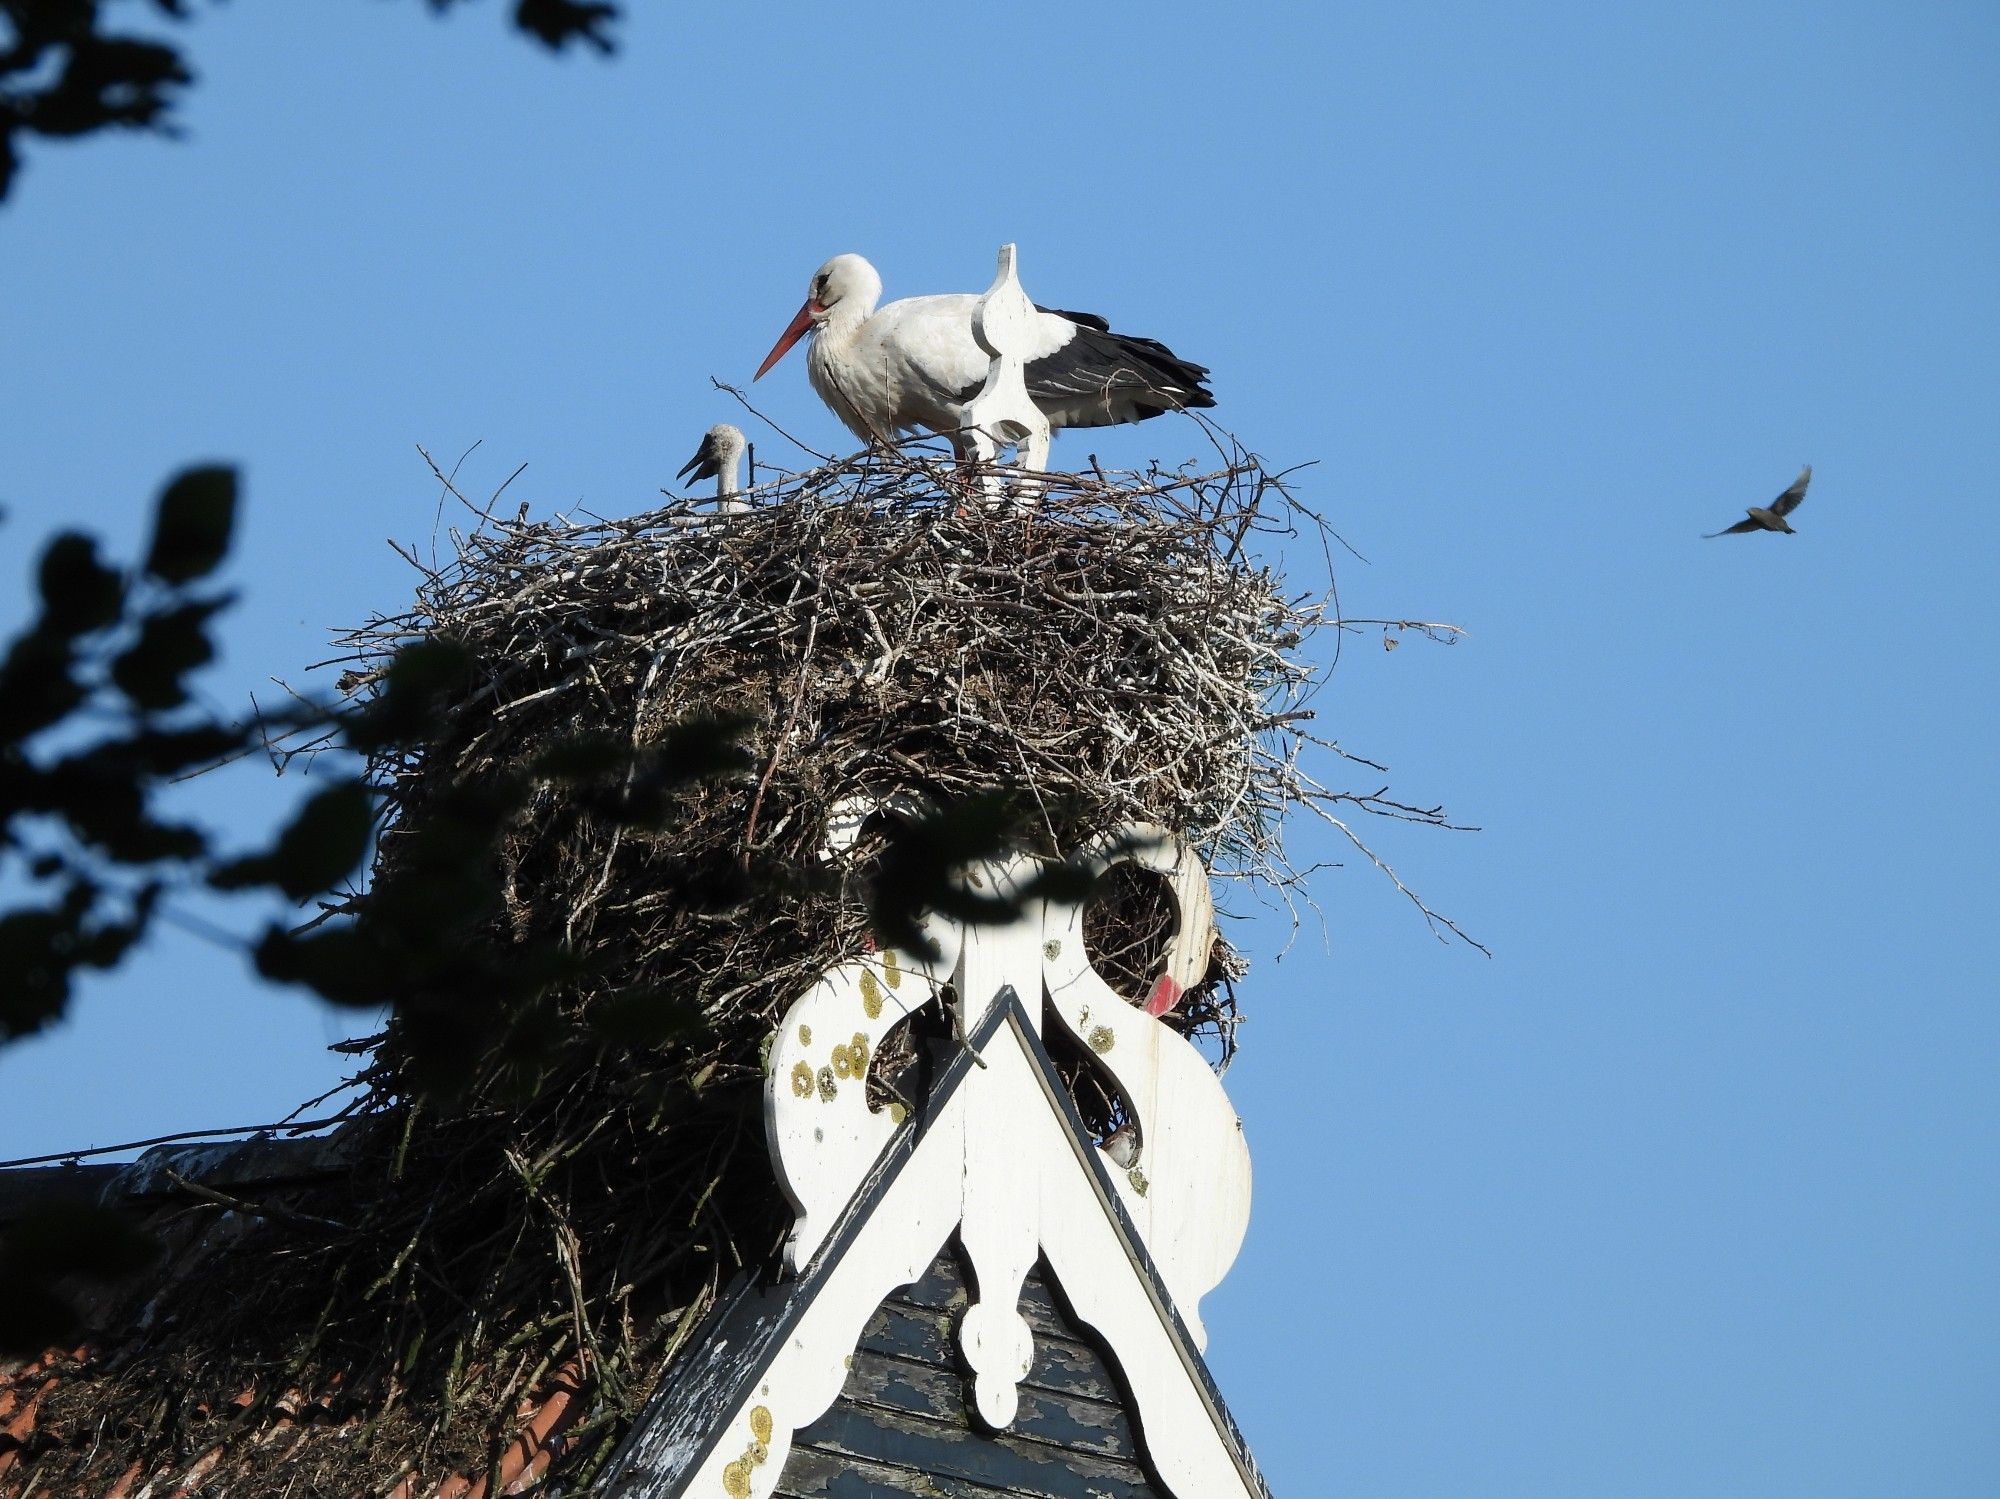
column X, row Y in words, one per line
column 914, row 364
column 720, row 457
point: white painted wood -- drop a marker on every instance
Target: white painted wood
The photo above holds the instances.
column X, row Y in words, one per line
column 1181, row 1431
column 1181, row 1171
column 822, row 1133
column 1001, row 1162
column 996, row 955
column 1000, row 1230
column 1184, row 1171
column 896, row 1245
column 1002, row 415
column 850, row 815
column 1186, row 1181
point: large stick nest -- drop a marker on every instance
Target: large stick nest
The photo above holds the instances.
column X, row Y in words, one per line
column 1110, row 652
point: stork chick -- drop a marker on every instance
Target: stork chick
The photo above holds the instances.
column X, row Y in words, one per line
column 720, row 457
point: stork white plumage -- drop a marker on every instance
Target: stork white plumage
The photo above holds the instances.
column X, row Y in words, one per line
column 720, row 457
column 915, row 364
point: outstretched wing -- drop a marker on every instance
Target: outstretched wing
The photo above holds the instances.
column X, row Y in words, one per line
column 1740, row 527
column 1787, row 502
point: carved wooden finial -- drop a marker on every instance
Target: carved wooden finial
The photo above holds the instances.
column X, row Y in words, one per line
column 1003, row 415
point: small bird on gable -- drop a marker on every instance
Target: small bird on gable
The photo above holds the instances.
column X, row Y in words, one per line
column 1771, row 517
column 1122, row 1144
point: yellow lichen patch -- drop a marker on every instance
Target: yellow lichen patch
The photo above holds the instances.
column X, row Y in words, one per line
column 736, row 1477
column 843, row 1062
column 805, row 1035
column 897, row 1113
column 1101, row 1039
column 1052, row 949
column 802, row 1080
column 871, row 995
column 891, row 970
column 827, row 1086
column 1138, row 1180
column 857, row 1054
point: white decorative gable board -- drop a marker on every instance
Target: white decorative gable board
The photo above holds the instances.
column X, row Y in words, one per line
column 1183, row 1171
column 776, row 1357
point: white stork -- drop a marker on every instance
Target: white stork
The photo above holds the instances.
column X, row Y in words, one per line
column 915, row 364
column 720, row 457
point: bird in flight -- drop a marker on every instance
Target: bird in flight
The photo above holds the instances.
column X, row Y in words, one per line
column 915, row 363
column 1771, row 517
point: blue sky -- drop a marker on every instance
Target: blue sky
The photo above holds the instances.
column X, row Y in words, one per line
column 1691, row 1188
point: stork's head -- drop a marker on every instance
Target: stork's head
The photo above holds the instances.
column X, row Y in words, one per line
column 846, row 286
column 720, row 448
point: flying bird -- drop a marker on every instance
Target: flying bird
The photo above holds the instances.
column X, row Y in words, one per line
column 1771, row 517
column 914, row 364
column 720, row 457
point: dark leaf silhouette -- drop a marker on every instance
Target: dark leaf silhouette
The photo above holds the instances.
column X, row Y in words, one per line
column 62, row 75
column 556, row 23
column 37, row 953
column 65, row 73
column 192, row 526
column 166, row 752
column 102, row 795
column 417, row 691
column 584, row 757
column 79, row 593
column 323, row 846
column 170, row 645
column 920, row 866
column 38, row 686
column 646, row 1017
column 340, row 964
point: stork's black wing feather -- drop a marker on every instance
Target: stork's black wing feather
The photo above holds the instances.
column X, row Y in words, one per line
column 1082, row 319
column 1104, row 377
column 1098, row 378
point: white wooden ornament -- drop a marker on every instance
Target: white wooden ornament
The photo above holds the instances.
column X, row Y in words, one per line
column 1003, row 415
column 895, row 1246
column 999, row 1152
column 1184, row 1183
column 1188, row 1184
column 822, row 1132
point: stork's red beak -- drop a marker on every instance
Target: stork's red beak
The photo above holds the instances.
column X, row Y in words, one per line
column 790, row 336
